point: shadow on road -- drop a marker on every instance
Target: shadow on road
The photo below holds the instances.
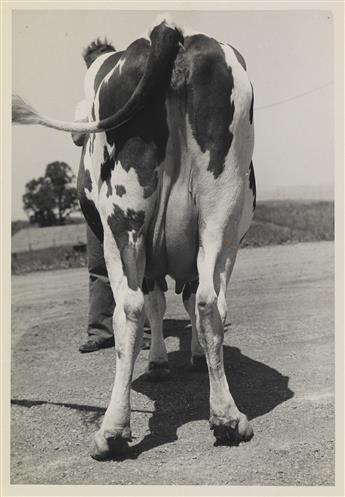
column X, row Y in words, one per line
column 256, row 388
column 183, row 398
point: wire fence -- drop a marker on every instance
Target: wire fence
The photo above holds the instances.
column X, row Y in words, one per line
column 294, row 97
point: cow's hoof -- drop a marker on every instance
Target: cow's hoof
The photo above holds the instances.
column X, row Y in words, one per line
column 199, row 363
column 231, row 432
column 107, row 446
column 157, row 371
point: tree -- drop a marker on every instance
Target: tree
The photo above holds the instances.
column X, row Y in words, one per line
column 50, row 199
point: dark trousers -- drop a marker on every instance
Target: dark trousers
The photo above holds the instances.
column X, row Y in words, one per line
column 101, row 301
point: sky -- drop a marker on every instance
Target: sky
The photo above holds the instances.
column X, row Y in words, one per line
column 289, row 56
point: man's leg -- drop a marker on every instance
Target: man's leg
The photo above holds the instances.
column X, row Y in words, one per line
column 101, row 301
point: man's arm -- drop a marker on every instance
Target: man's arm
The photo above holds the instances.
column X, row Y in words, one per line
column 80, row 116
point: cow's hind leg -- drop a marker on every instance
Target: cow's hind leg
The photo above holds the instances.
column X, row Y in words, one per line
column 125, row 268
column 215, row 260
column 198, row 360
column 158, row 368
column 221, row 137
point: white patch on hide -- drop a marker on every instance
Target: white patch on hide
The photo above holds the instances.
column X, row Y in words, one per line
column 243, row 131
column 134, row 198
column 120, row 64
column 88, row 194
column 90, row 76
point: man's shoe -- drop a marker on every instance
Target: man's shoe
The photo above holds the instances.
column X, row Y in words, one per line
column 92, row 345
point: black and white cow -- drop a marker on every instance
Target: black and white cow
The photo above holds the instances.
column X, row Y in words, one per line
column 168, row 185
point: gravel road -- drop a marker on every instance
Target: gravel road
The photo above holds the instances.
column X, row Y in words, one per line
column 279, row 355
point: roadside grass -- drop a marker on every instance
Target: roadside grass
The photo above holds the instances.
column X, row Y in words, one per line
column 275, row 222
column 62, row 257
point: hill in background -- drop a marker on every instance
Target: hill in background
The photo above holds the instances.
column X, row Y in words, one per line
column 281, row 221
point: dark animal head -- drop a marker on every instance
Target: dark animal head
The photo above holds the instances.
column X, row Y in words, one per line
column 95, row 49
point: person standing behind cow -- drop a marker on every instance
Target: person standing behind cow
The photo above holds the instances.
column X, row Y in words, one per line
column 101, row 301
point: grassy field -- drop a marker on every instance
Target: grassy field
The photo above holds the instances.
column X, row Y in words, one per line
column 46, row 259
column 280, row 221
column 275, row 223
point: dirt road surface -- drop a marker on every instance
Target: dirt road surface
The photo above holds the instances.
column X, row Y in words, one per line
column 279, row 356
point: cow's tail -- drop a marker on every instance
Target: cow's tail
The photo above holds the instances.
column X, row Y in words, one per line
column 165, row 42
column 23, row 113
